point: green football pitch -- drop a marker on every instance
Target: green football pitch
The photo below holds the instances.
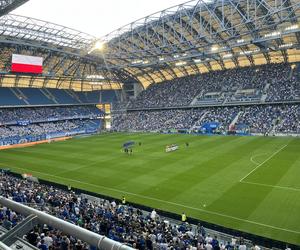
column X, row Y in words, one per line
column 246, row 183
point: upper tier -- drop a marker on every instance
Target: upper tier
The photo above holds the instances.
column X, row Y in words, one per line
column 45, row 96
column 271, row 83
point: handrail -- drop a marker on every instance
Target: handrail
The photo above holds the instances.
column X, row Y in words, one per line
column 90, row 237
column 4, row 247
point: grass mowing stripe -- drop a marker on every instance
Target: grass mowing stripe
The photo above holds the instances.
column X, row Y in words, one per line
column 189, row 176
column 271, row 186
column 254, row 157
column 171, row 203
column 270, row 157
column 205, row 173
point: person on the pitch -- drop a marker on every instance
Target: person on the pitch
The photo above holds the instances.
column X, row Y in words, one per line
column 123, row 200
column 187, row 144
column 183, row 217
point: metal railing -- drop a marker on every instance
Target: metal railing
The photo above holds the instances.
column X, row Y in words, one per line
column 100, row 241
column 4, row 247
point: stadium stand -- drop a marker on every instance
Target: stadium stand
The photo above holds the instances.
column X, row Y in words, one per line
column 34, row 114
column 11, row 116
column 21, row 125
column 267, row 83
column 37, row 96
column 235, row 100
column 260, row 119
column 120, row 222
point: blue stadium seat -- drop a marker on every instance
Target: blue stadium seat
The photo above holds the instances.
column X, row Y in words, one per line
column 63, row 97
column 7, row 97
column 35, row 96
column 46, row 96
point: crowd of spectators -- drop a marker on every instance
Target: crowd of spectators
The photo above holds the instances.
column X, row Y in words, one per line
column 284, row 86
column 23, row 124
column 263, row 119
column 46, row 128
column 290, row 120
column 119, row 106
column 40, row 114
column 223, row 116
column 277, row 81
column 156, row 120
column 118, row 221
column 257, row 118
column 177, row 92
column 260, row 119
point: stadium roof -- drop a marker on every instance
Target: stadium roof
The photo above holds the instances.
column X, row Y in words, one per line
column 29, row 29
column 7, row 6
column 65, row 52
column 195, row 37
column 204, row 35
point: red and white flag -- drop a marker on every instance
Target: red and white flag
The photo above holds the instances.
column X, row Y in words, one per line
column 27, row 64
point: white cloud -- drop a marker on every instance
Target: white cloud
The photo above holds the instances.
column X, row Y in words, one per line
column 96, row 17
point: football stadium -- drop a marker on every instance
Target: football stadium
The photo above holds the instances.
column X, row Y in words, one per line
column 179, row 130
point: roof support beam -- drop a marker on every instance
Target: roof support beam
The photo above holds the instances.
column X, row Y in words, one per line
column 294, row 19
column 10, row 6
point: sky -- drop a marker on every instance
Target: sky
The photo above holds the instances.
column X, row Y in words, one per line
column 95, row 17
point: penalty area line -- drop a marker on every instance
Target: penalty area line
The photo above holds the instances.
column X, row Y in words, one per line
column 259, row 165
column 170, row 203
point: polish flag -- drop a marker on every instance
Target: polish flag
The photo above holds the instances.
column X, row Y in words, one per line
column 26, row 64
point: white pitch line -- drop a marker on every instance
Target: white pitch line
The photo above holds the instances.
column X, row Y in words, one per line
column 254, row 156
column 253, row 161
column 271, row 156
column 272, row 186
column 169, row 202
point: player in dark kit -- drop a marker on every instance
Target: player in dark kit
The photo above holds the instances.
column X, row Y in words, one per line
column 187, row 144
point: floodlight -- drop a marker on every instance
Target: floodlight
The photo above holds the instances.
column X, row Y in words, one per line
column 181, row 63
column 99, row 45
